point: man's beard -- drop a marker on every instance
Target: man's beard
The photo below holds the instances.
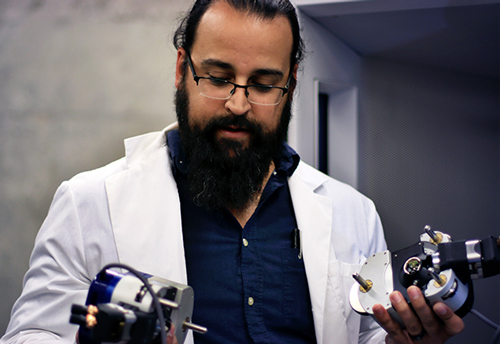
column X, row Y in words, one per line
column 223, row 174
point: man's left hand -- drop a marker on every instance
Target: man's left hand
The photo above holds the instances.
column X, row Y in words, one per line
column 424, row 326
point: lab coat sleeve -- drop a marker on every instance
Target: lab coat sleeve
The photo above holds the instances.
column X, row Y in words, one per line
column 57, row 278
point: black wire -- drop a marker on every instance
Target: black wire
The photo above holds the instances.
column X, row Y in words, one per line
column 484, row 319
column 496, row 337
column 156, row 301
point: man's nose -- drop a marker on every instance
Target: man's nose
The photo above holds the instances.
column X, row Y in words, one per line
column 238, row 103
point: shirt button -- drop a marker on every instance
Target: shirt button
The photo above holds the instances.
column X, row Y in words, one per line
column 250, row 301
column 245, row 242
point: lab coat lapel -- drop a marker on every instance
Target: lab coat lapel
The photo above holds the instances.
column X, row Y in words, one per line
column 145, row 210
column 314, row 219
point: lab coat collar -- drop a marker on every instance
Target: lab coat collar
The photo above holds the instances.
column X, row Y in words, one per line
column 313, row 213
column 145, row 210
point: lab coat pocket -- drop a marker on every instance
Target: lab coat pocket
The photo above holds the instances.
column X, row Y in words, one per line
column 342, row 320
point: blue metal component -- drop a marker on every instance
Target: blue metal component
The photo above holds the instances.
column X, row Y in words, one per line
column 102, row 287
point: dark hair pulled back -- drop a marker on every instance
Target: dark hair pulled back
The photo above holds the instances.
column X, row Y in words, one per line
column 267, row 9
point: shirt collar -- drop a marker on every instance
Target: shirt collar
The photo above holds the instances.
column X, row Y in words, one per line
column 177, row 153
column 287, row 160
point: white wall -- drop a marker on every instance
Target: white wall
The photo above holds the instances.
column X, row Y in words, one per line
column 331, row 67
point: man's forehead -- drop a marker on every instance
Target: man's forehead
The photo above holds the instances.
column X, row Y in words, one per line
column 221, row 10
column 224, row 30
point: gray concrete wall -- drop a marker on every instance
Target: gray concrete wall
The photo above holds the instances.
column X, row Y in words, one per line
column 76, row 78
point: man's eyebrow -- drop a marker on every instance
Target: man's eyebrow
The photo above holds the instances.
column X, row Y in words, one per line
column 217, row 63
column 268, row 71
column 228, row 66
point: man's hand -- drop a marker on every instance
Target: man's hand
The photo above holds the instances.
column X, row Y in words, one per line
column 425, row 327
column 171, row 338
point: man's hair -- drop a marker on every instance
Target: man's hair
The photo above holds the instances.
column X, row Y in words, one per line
column 266, row 9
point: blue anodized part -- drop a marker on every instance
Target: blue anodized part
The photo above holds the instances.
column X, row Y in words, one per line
column 102, row 287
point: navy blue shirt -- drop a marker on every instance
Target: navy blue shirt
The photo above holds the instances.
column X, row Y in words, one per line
column 250, row 284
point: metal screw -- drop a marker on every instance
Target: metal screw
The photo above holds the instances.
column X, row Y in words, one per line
column 365, row 285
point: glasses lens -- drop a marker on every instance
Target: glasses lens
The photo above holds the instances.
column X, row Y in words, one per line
column 214, row 88
column 264, row 95
column 219, row 89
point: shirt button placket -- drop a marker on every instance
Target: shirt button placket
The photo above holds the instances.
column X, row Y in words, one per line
column 250, row 299
column 251, row 274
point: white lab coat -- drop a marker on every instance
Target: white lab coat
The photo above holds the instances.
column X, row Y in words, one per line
column 129, row 212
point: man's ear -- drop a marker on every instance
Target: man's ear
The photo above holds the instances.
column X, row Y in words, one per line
column 294, row 83
column 179, row 67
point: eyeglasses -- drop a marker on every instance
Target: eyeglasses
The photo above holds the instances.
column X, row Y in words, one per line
column 217, row 88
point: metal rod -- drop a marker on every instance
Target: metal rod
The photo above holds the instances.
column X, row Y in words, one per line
column 194, row 327
column 431, row 233
column 435, row 276
column 169, row 303
column 362, row 282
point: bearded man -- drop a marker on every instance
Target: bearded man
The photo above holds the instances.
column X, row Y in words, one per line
column 223, row 203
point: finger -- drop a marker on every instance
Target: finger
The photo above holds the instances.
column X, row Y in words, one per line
column 423, row 311
column 394, row 332
column 171, row 338
column 409, row 318
column 453, row 324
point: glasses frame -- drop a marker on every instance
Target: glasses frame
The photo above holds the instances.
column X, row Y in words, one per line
column 235, row 86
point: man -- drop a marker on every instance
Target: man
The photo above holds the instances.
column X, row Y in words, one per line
column 217, row 202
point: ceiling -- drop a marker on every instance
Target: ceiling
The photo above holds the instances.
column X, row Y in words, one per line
column 462, row 38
